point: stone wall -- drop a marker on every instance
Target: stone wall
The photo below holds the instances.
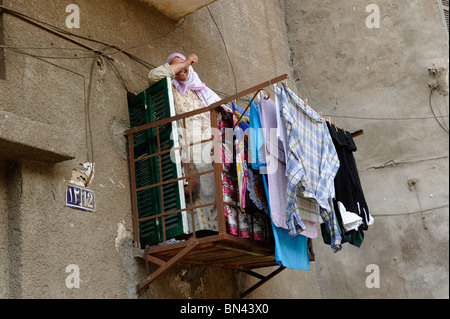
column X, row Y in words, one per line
column 383, row 73
column 54, row 87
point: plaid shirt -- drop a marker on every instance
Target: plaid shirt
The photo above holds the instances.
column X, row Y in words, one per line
column 312, row 164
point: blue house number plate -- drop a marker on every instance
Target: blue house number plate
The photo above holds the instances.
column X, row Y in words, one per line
column 80, row 198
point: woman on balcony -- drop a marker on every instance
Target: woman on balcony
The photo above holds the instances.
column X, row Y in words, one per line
column 190, row 94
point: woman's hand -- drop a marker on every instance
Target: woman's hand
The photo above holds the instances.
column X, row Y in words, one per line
column 192, row 60
column 181, row 67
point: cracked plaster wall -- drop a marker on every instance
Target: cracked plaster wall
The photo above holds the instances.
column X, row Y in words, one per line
column 383, row 73
column 54, row 91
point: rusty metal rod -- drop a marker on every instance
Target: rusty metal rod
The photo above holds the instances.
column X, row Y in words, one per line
column 134, row 204
column 206, row 109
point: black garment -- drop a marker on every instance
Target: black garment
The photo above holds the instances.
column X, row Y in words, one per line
column 348, row 185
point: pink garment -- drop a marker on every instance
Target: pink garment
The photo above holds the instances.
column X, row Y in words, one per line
column 194, row 83
column 174, row 55
column 238, row 223
column 276, row 169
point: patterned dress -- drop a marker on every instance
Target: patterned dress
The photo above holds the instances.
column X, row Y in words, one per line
column 196, row 129
column 238, row 222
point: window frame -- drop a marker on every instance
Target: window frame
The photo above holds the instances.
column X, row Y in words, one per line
column 444, row 8
column 142, row 111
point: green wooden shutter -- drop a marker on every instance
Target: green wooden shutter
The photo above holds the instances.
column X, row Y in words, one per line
column 444, row 6
column 152, row 105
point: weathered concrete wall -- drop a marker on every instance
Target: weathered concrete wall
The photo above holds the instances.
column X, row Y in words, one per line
column 177, row 9
column 3, row 233
column 383, row 73
column 47, row 237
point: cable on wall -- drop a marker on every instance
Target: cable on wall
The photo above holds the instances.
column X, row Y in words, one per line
column 85, row 48
column 437, row 87
column 57, row 31
column 432, row 91
column 388, row 118
column 67, row 36
column 226, row 48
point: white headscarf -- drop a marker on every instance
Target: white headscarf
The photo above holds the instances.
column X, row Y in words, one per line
column 194, row 83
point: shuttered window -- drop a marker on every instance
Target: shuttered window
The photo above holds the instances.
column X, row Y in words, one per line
column 150, row 106
column 444, row 6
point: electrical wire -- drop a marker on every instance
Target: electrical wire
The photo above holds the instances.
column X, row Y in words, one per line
column 89, row 137
column 48, row 56
column 226, row 48
column 149, row 65
column 429, row 210
column 87, row 97
column 152, row 39
column 98, row 53
column 323, row 106
column 44, row 48
column 387, row 118
column 341, row 117
column 369, row 118
column 59, row 31
column 118, row 74
column 434, row 113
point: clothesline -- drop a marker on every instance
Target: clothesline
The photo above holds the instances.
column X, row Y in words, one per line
column 355, row 133
column 323, row 106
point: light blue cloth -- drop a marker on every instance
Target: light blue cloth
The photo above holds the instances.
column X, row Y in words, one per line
column 256, row 139
column 291, row 252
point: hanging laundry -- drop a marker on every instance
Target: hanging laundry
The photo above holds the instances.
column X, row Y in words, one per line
column 290, row 252
column 350, row 220
column 281, row 127
column 351, row 207
column 276, row 170
column 256, row 154
column 241, row 164
column 256, row 198
column 241, row 149
column 239, row 223
column 312, row 164
column 244, row 123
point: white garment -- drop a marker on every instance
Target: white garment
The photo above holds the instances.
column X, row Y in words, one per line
column 369, row 218
column 281, row 124
column 350, row 221
column 309, row 209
